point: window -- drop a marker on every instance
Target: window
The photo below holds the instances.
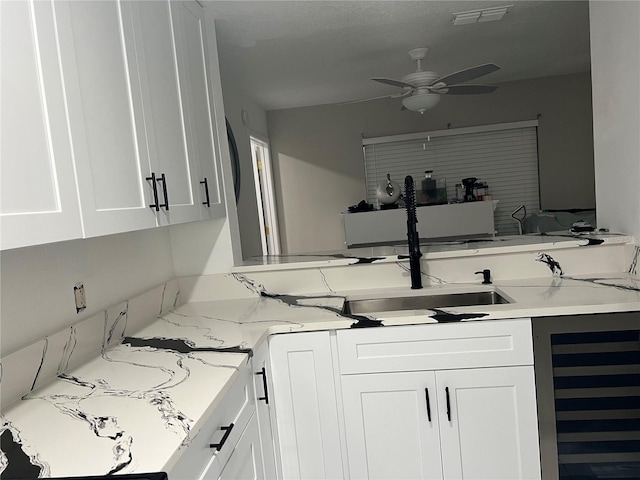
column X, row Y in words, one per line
column 505, row 156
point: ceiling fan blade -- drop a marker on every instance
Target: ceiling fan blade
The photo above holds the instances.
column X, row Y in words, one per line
column 467, row 74
column 395, row 95
column 395, row 83
column 465, row 89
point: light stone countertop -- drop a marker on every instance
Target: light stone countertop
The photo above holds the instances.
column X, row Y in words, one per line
column 135, row 407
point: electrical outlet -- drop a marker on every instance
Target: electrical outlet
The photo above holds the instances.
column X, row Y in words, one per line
column 81, row 299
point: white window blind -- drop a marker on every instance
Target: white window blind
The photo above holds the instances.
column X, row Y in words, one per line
column 504, row 156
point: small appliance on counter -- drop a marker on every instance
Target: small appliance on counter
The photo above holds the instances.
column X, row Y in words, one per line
column 475, row 190
column 388, row 193
column 468, row 184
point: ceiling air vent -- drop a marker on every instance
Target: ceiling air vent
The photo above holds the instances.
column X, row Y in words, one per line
column 483, row 15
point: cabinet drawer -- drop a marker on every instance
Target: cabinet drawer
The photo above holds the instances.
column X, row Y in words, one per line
column 237, row 407
column 435, row 346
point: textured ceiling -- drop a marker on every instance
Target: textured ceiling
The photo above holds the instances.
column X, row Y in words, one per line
column 300, row 53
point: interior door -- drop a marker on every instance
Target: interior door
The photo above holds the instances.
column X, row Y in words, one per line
column 488, row 423
column 38, row 202
column 391, row 424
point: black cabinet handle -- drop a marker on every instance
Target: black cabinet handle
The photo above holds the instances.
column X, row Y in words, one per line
column 227, row 432
column 426, row 394
column 206, row 192
column 263, row 372
column 446, row 390
column 152, row 179
column 162, row 179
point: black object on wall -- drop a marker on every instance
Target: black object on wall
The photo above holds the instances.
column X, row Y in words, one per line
column 235, row 160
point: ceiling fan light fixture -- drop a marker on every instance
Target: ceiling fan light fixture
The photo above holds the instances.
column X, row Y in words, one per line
column 421, row 102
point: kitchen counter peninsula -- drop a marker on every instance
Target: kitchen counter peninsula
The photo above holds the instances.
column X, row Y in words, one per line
column 139, row 400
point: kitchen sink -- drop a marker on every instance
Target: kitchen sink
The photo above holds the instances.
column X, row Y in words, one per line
column 423, row 302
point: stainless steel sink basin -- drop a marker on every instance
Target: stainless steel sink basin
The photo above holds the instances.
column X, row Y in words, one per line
column 423, row 302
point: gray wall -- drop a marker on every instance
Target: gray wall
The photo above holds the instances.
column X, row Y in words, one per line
column 616, row 100
column 235, row 101
column 317, row 151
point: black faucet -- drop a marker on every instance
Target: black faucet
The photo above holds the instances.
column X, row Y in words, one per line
column 412, row 233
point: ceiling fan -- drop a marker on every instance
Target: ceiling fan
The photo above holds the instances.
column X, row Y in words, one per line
column 423, row 89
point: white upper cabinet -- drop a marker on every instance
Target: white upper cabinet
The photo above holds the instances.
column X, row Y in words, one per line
column 130, row 116
column 168, row 130
column 107, row 119
column 198, row 99
column 38, row 202
column 105, row 114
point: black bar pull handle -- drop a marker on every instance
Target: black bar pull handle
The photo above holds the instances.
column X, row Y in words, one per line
column 206, row 192
column 426, row 394
column 163, row 179
column 446, row 390
column 263, row 372
column 152, row 179
column 227, row 432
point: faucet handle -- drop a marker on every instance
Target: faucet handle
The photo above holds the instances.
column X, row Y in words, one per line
column 486, row 276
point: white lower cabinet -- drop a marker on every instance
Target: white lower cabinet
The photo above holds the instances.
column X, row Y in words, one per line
column 452, row 424
column 306, row 406
column 216, row 442
column 265, row 414
column 445, row 401
column 492, row 432
column 245, row 463
column 391, row 425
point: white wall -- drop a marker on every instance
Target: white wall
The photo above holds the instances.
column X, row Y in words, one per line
column 212, row 246
column 37, row 282
column 317, row 151
column 615, row 64
column 237, row 101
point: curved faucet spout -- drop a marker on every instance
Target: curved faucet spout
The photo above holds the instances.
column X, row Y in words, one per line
column 412, row 233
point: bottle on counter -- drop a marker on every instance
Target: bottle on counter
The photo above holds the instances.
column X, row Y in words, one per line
column 459, row 193
column 434, row 190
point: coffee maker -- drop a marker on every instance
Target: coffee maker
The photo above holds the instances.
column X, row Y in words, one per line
column 468, row 185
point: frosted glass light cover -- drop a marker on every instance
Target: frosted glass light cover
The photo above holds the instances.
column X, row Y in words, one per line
column 421, row 101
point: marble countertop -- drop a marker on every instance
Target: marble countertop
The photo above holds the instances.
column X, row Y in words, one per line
column 136, row 406
column 431, row 250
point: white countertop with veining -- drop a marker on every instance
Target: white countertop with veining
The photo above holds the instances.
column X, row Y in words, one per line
column 136, row 406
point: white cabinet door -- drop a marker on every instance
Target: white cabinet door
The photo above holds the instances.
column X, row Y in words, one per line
column 38, row 202
column 391, row 424
column 491, row 429
column 245, row 463
column 197, row 96
column 263, row 388
column 164, row 115
column 306, row 408
column 105, row 115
